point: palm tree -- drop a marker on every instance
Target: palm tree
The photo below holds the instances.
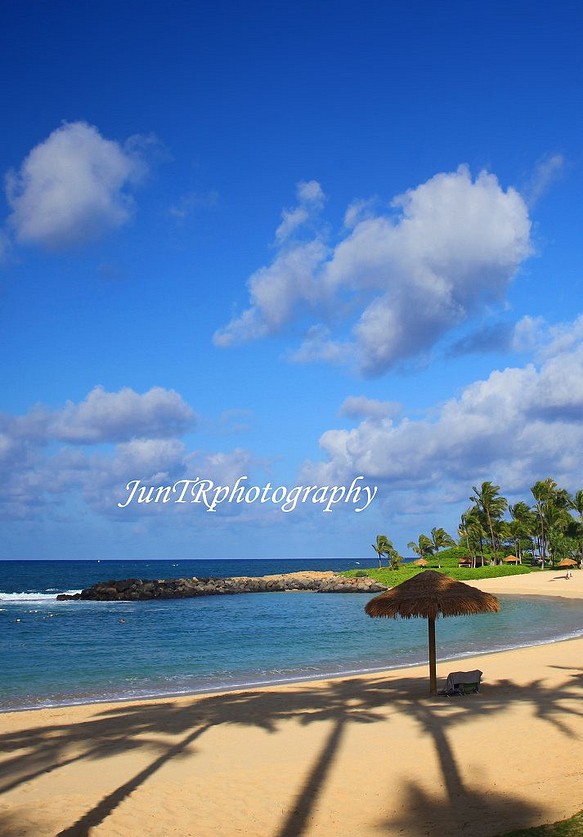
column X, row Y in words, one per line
column 576, row 504
column 555, row 524
column 383, row 546
column 505, row 535
column 394, row 557
column 557, row 521
column 543, row 492
column 440, row 538
column 463, row 530
column 422, row 548
column 472, row 530
column 522, row 526
column 488, row 501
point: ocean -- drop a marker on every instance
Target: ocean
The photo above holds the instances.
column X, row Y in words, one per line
column 61, row 653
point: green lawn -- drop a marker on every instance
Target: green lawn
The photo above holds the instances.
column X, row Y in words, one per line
column 573, row 827
column 448, row 559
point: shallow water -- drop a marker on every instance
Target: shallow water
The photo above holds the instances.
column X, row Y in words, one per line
column 68, row 652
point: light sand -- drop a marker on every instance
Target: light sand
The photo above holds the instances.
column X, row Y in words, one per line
column 352, row 757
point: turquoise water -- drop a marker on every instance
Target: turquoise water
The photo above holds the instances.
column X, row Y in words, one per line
column 67, row 652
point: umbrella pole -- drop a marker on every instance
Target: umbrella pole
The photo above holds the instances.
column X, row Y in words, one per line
column 432, row 662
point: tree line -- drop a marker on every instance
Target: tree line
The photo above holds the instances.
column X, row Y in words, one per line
column 548, row 530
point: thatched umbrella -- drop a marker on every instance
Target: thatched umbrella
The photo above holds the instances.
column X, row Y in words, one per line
column 428, row 594
column 511, row 559
column 421, row 562
column 567, row 562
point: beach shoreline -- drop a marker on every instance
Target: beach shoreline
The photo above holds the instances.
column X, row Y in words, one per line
column 353, row 755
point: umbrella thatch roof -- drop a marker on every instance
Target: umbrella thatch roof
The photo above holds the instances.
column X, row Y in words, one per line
column 428, row 594
column 567, row 562
column 511, row 559
column 421, row 562
column 431, row 593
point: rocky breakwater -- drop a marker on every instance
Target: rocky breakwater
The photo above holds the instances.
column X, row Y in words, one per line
column 136, row 589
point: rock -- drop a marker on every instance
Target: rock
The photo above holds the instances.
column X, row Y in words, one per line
column 133, row 589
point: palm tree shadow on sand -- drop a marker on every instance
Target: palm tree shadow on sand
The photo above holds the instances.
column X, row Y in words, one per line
column 340, row 703
column 454, row 807
column 467, row 812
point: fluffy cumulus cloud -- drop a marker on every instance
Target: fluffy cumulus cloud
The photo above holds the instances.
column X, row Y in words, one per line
column 279, row 292
column 104, row 417
column 48, row 452
column 288, row 286
column 516, row 426
column 310, row 200
column 73, row 187
column 153, row 461
column 87, row 453
column 396, row 281
column 119, row 416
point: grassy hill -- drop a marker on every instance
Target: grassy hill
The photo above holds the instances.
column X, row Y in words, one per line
column 449, row 561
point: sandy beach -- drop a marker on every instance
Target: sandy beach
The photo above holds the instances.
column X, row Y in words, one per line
column 360, row 756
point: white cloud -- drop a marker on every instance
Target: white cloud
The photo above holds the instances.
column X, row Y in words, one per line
column 278, row 293
column 49, row 460
column 559, row 395
column 150, row 460
column 35, row 479
column 547, row 171
column 119, row 416
column 104, row 417
column 516, row 426
column 529, row 333
column 397, row 282
column 73, row 187
column 156, row 462
column 159, row 462
column 153, row 461
column 311, row 199
column 310, row 191
column 564, row 338
column 317, row 345
column 291, row 220
column 536, row 335
column 359, row 210
column 223, row 467
column 360, row 407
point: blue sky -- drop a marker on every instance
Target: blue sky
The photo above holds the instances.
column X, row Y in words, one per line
column 299, row 243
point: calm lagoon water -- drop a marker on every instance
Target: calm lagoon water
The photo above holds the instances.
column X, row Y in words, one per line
column 57, row 653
